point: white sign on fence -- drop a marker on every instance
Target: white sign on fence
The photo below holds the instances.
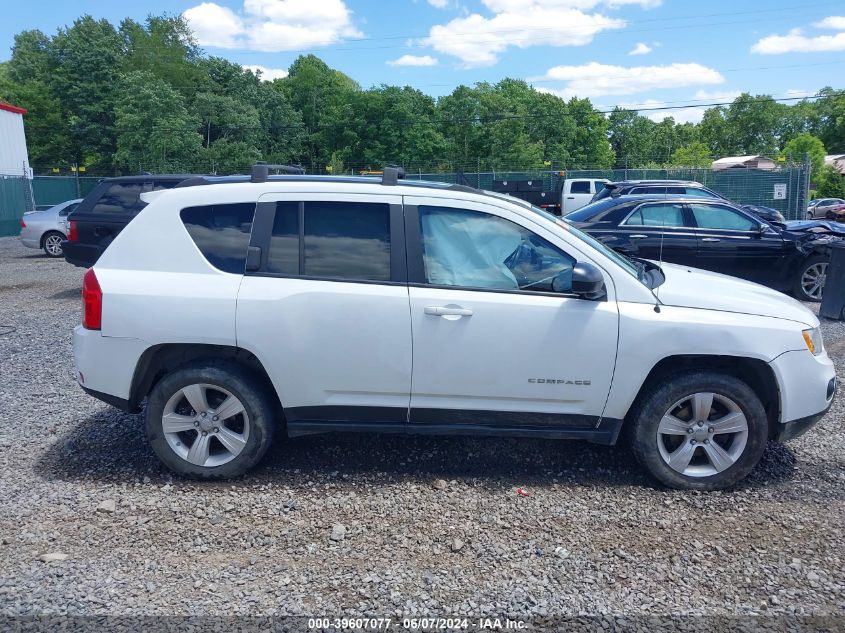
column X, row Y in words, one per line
column 780, row 192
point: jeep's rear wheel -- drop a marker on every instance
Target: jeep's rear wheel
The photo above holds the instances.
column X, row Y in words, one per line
column 209, row 422
column 701, row 431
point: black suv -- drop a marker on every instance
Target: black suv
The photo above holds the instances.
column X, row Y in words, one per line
column 656, row 188
column 106, row 210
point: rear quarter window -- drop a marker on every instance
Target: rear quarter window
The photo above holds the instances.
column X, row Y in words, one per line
column 221, row 233
column 121, row 198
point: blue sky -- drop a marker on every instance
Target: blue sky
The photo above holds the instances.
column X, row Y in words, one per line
column 638, row 53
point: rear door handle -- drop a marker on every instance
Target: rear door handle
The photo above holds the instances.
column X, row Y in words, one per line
column 710, row 239
column 448, row 311
column 639, row 236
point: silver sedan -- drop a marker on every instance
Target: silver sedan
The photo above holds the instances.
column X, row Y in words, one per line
column 47, row 229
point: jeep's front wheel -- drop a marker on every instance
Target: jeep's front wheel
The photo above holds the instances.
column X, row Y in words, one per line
column 700, row 431
column 209, row 421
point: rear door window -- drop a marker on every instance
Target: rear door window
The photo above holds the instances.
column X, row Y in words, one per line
column 580, row 186
column 657, row 215
column 336, row 240
column 221, row 232
column 656, row 191
column 701, row 193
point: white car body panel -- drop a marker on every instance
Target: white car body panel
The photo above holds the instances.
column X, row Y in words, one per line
column 337, row 343
column 351, row 341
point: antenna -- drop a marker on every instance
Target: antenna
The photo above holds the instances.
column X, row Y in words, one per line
column 660, row 261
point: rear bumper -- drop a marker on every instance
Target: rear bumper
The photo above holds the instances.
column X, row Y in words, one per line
column 85, row 255
column 105, row 365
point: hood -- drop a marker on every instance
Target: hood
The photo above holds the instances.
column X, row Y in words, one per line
column 694, row 288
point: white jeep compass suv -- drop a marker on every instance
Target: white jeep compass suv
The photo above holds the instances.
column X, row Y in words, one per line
column 299, row 305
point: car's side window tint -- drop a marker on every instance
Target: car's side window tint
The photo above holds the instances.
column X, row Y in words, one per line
column 678, row 191
column 580, row 186
column 348, row 240
column 121, row 198
column 712, row 216
column 339, row 240
column 68, row 209
column 471, row 249
column 221, row 232
column 701, row 193
column 283, row 257
column 657, row 215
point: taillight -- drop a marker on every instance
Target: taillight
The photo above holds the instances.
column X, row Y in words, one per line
column 92, row 301
column 72, row 235
column 23, row 224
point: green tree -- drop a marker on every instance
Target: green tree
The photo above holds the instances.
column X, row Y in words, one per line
column 829, row 183
column 692, row 155
column 155, row 132
column 802, row 145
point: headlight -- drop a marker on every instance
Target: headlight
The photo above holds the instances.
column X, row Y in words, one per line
column 813, row 339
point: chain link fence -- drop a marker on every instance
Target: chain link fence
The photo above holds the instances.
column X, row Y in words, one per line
column 785, row 189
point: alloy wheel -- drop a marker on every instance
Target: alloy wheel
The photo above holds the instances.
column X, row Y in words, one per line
column 53, row 245
column 813, row 280
column 702, row 434
column 205, row 425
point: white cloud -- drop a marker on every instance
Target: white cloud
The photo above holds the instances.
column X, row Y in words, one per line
column 796, row 42
column 439, row 4
column 834, row 22
column 478, row 40
column 641, row 49
column 595, row 80
column 267, row 74
column 680, row 115
column 722, row 96
column 793, row 92
column 413, row 60
column 272, row 25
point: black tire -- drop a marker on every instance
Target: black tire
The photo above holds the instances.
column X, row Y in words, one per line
column 257, row 401
column 655, row 402
column 798, row 290
column 830, row 215
column 46, row 245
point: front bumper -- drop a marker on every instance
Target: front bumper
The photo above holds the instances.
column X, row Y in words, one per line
column 29, row 242
column 807, row 386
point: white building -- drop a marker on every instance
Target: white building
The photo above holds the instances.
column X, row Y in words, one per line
column 14, row 160
column 837, row 161
column 744, row 162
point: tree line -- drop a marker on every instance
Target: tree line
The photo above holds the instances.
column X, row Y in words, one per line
column 144, row 96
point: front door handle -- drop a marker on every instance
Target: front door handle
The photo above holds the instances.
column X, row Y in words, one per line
column 448, row 311
column 710, row 239
column 639, row 236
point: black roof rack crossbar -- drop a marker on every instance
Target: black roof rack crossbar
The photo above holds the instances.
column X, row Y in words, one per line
column 392, row 174
column 260, row 171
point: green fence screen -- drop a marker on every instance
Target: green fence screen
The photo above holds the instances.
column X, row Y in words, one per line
column 784, row 189
column 50, row 190
column 14, row 192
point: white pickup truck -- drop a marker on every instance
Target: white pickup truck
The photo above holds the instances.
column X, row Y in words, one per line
column 577, row 192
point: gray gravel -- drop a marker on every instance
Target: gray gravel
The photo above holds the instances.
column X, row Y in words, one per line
column 380, row 525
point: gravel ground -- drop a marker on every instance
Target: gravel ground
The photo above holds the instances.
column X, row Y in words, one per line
column 381, row 525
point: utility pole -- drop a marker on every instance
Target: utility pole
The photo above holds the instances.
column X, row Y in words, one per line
column 76, row 178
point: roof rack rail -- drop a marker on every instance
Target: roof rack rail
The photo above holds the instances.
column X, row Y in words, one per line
column 261, row 171
column 392, row 174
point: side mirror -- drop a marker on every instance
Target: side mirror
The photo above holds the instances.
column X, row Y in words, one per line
column 762, row 228
column 587, row 281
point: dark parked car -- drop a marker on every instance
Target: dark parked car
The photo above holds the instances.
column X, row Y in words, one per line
column 714, row 235
column 656, row 188
column 104, row 213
